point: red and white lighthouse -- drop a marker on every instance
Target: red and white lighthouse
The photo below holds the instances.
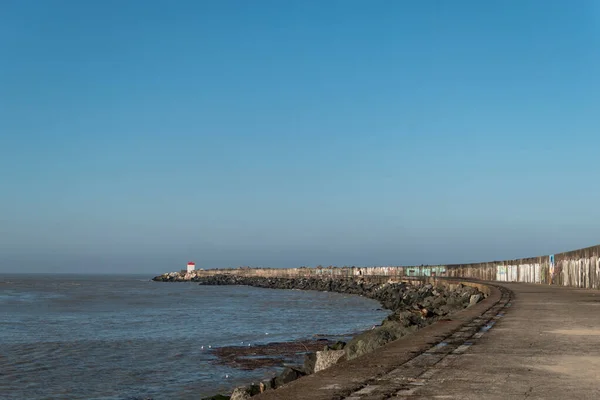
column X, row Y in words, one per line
column 191, row 266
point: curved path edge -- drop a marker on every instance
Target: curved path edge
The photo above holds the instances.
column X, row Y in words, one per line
column 407, row 363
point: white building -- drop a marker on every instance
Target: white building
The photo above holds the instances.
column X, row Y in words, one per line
column 191, row 266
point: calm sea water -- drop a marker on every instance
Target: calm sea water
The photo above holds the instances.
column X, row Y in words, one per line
column 124, row 337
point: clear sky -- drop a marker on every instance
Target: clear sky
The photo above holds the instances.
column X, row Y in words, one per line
column 138, row 135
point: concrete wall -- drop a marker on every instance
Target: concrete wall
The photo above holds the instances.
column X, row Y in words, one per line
column 578, row 268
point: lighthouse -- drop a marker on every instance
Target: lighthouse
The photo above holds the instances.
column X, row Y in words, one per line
column 191, row 266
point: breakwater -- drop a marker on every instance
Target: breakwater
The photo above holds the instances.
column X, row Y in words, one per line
column 577, row 268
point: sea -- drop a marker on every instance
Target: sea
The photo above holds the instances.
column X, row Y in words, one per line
column 127, row 337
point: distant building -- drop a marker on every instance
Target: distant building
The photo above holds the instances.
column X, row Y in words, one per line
column 191, row 266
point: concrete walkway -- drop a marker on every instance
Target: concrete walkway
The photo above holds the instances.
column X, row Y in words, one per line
column 547, row 346
column 528, row 342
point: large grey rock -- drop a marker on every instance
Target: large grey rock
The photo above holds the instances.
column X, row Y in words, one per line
column 326, row 359
column 245, row 392
column 310, row 360
column 404, row 318
column 368, row 341
column 474, row 299
column 240, row 393
column 289, row 374
column 444, row 310
column 339, row 345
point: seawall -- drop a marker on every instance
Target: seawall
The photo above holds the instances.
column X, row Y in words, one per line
column 577, row 268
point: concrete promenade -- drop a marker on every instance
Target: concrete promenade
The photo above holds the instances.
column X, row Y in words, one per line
column 525, row 341
column 547, row 346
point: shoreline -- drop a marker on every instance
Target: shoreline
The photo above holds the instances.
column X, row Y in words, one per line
column 412, row 306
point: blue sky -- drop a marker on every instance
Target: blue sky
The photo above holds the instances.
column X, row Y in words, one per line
column 138, row 135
